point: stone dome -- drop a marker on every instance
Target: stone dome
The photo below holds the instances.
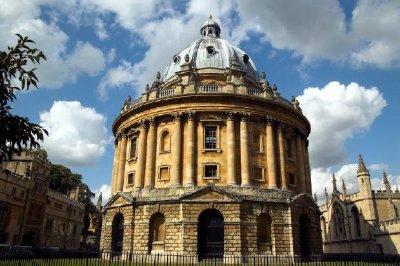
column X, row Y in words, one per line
column 210, row 51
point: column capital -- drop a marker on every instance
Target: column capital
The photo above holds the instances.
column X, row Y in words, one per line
column 230, row 115
column 152, row 120
column 191, row 115
column 269, row 120
column 142, row 123
column 244, row 116
column 176, row 116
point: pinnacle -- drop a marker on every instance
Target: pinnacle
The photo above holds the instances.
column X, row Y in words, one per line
column 361, row 165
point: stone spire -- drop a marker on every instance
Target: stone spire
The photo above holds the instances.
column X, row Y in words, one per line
column 326, row 197
column 99, row 204
column 387, row 185
column 344, row 188
column 315, row 198
column 334, row 183
column 361, row 165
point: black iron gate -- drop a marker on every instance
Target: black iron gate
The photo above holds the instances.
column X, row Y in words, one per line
column 210, row 234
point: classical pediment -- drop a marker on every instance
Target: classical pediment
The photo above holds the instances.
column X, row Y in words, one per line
column 211, row 194
column 119, row 199
column 303, row 199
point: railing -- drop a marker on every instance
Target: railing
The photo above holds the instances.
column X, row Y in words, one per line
column 166, row 93
column 60, row 258
column 207, row 88
column 254, row 92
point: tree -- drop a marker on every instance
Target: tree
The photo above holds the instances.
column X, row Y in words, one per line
column 62, row 179
column 17, row 132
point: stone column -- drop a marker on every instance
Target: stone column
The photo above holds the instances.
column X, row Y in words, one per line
column 150, row 154
column 244, row 151
column 122, row 162
column 176, row 151
column 271, row 155
column 141, row 155
column 282, row 157
column 300, row 165
column 231, row 149
column 190, row 144
column 114, row 176
column 307, row 169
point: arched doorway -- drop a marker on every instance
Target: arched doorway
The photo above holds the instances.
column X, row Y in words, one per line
column 304, row 240
column 29, row 239
column 117, row 233
column 210, row 234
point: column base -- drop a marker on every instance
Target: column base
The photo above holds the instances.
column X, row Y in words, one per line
column 189, row 185
column 149, row 186
column 175, row 186
column 245, row 185
column 233, row 185
column 273, row 186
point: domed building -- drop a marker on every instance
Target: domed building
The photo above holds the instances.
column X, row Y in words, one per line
column 210, row 159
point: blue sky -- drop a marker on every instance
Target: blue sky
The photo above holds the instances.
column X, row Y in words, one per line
column 340, row 59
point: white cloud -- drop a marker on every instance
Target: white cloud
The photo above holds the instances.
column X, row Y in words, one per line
column 337, row 112
column 322, row 178
column 61, row 67
column 106, row 193
column 375, row 24
column 101, row 31
column 77, row 134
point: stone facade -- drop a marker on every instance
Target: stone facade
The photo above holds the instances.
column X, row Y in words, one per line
column 30, row 213
column 363, row 222
column 217, row 141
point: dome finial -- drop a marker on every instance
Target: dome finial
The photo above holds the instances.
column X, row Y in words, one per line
column 210, row 17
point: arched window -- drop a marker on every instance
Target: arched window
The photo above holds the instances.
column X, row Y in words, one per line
column 157, row 232
column 340, row 229
column 264, row 243
column 165, row 141
column 117, row 232
column 356, row 221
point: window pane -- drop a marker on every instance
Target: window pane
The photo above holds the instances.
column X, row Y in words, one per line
column 211, row 137
column 210, row 171
column 133, row 148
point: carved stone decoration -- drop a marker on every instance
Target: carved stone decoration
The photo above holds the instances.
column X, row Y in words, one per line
column 187, row 58
column 230, row 115
column 191, row 115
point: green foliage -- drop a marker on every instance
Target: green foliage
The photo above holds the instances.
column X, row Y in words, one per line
column 17, row 132
column 85, row 197
column 62, row 179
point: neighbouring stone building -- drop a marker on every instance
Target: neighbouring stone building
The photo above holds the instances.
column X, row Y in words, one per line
column 30, row 213
column 210, row 159
column 363, row 222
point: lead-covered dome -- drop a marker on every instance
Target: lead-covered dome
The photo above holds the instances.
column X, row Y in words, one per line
column 210, row 51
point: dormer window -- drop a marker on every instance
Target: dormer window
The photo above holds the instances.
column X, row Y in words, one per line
column 246, row 58
column 176, row 59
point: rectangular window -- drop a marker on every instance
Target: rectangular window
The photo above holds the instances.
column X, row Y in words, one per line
column 131, row 178
column 133, row 148
column 14, row 190
column 291, row 179
column 74, row 230
column 258, row 173
column 289, row 148
column 211, row 171
column 164, row 173
column 210, row 139
column 49, row 226
column 22, row 193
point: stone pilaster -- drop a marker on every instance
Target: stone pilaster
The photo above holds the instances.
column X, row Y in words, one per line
column 114, row 176
column 176, row 151
column 231, row 149
column 191, row 136
column 150, row 154
column 244, row 150
column 300, row 164
column 122, row 162
column 271, row 155
column 141, row 155
column 282, row 157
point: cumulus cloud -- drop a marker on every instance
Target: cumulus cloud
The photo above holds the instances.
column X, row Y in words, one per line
column 106, row 193
column 61, row 66
column 337, row 112
column 77, row 134
column 322, row 178
column 375, row 24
